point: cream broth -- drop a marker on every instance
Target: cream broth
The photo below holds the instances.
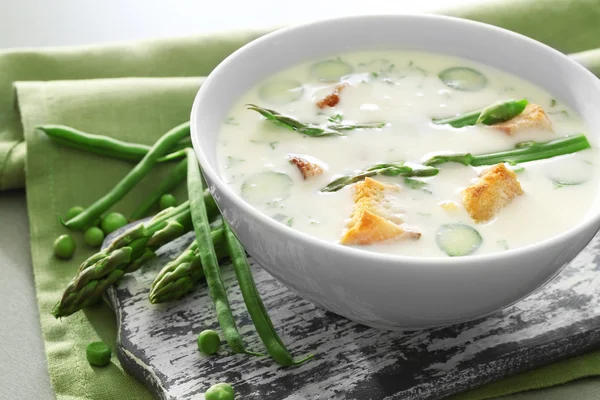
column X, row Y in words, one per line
column 403, row 90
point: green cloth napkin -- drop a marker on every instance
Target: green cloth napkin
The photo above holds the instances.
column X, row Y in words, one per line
column 88, row 88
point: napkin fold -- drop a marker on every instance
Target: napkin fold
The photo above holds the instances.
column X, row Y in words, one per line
column 94, row 89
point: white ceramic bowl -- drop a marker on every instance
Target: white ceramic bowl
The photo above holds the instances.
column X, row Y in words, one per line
column 379, row 290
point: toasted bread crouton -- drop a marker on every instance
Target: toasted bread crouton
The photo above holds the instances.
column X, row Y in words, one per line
column 532, row 117
column 450, row 206
column 307, row 168
column 333, row 99
column 497, row 187
column 372, row 220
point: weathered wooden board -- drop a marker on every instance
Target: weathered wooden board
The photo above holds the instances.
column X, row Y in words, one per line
column 158, row 343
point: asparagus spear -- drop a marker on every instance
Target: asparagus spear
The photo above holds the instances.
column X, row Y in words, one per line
column 523, row 152
column 387, row 169
column 179, row 276
column 310, row 129
column 127, row 253
column 492, row 114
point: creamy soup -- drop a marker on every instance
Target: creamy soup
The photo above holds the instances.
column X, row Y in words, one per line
column 341, row 116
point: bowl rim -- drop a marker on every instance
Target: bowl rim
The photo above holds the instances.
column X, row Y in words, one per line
column 590, row 219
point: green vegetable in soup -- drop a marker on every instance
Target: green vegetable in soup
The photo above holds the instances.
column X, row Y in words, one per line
column 330, row 70
column 493, row 114
column 417, row 184
column 266, row 187
column 523, row 152
column 501, row 111
column 387, row 169
column 281, row 91
column 292, row 123
column 463, row 78
column 572, row 174
column 310, row 129
column 458, row 239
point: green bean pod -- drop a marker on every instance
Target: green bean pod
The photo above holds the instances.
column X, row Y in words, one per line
column 104, row 145
column 208, row 257
column 256, row 308
column 103, row 204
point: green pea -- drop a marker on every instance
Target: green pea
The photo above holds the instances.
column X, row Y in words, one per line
column 113, row 221
column 93, row 236
column 98, row 354
column 64, row 246
column 220, row 391
column 209, row 342
column 73, row 212
column 167, row 200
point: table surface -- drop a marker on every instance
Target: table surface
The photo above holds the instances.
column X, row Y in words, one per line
column 29, row 23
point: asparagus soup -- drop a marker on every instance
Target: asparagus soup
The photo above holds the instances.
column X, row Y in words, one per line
column 409, row 153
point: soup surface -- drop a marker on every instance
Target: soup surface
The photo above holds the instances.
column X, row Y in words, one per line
column 397, row 99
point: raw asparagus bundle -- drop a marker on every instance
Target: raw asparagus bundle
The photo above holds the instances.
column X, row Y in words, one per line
column 180, row 276
column 125, row 254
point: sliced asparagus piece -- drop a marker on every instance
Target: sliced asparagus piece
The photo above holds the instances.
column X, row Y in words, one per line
column 387, row 169
column 310, row 129
column 492, row 114
column 523, row 152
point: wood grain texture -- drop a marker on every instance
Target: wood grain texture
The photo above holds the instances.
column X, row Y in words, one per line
column 157, row 343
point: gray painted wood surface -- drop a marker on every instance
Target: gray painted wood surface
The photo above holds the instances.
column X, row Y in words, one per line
column 157, row 343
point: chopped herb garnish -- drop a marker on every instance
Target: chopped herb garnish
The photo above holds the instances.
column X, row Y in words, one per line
column 563, row 112
column 410, row 63
column 231, row 161
column 503, row 243
column 336, row 118
column 552, row 103
column 231, row 121
column 374, row 74
column 422, row 71
column 414, row 183
column 284, row 219
column 273, row 144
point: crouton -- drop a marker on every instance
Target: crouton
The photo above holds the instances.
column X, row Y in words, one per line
column 450, row 206
column 372, row 220
column 532, row 117
column 497, row 187
column 307, row 169
column 333, row 99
